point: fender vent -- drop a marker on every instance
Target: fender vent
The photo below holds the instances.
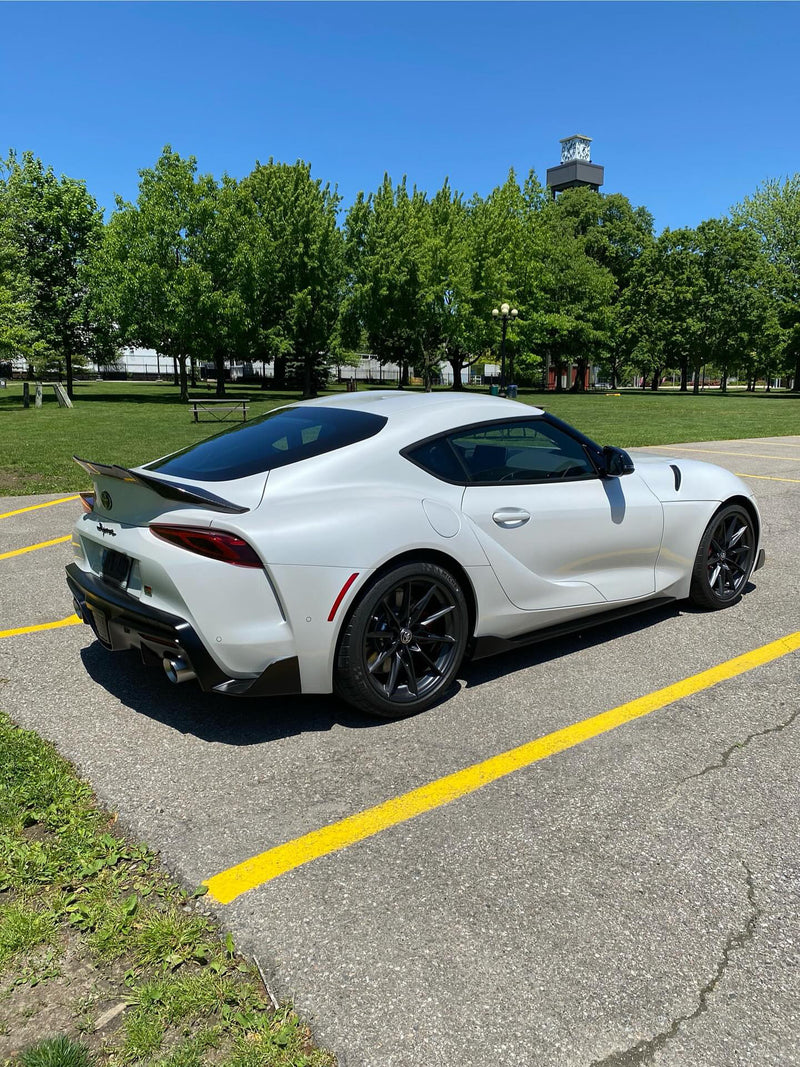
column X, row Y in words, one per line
column 676, row 473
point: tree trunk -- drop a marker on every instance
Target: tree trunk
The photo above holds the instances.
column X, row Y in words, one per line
column 194, row 372
column 183, row 379
column 579, row 385
column 458, row 365
column 796, row 382
column 219, row 364
column 684, row 377
column 723, row 382
column 655, row 382
column 696, row 386
column 279, row 372
column 308, row 377
column 68, row 360
column 175, row 378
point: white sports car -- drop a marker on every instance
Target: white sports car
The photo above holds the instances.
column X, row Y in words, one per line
column 363, row 544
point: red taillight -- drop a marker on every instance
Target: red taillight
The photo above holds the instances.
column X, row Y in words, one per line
column 87, row 501
column 226, row 547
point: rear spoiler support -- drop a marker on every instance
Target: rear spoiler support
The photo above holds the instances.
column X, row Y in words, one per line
column 163, row 486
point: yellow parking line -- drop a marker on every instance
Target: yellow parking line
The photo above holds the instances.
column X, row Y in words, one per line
column 32, row 548
column 228, row 885
column 720, row 452
column 70, row 620
column 767, row 477
column 35, row 507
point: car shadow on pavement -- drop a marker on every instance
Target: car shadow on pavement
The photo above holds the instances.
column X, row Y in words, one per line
column 211, row 716
column 553, row 648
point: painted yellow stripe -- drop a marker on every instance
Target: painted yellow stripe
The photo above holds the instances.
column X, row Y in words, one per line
column 720, row 452
column 70, row 620
column 767, row 478
column 228, row 885
column 32, row 548
column 35, row 507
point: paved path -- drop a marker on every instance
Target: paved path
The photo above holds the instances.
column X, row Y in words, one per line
column 632, row 900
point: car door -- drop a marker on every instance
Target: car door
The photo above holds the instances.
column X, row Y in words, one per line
column 556, row 533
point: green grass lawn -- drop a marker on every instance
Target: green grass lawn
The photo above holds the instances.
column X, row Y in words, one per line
column 127, row 423
column 78, row 899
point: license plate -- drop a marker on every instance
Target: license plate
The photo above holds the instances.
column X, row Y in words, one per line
column 101, row 625
column 115, row 567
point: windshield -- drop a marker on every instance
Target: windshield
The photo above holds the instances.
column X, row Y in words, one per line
column 272, row 440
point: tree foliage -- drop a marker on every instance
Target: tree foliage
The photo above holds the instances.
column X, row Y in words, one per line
column 49, row 229
column 264, row 269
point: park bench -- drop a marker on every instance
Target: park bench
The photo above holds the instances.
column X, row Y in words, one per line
column 218, row 410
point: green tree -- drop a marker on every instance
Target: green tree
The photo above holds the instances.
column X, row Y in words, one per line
column 615, row 235
column 575, row 318
column 49, row 229
column 291, row 261
column 736, row 303
column 385, row 294
column 773, row 214
column 507, row 240
column 143, row 276
column 660, row 307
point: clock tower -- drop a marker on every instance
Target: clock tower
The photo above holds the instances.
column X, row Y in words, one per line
column 576, row 167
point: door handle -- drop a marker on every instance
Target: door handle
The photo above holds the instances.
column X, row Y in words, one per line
column 511, row 518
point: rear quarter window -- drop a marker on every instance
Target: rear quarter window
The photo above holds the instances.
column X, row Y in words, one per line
column 272, row 440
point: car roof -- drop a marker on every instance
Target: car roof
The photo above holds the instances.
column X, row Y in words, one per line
column 436, row 411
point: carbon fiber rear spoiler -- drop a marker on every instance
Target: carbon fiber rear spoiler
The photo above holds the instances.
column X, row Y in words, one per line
column 163, row 486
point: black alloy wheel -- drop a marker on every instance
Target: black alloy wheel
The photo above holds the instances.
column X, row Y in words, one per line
column 724, row 558
column 404, row 642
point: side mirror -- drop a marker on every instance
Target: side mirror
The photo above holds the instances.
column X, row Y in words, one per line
column 617, row 461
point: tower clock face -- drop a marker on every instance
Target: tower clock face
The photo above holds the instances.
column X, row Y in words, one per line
column 576, row 148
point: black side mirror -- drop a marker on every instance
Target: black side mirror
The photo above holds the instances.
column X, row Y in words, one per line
column 617, row 462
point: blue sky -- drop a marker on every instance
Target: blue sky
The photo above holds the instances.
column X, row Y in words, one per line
column 690, row 105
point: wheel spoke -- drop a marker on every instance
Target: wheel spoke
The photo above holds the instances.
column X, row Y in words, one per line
column 421, row 604
column 382, row 658
column 426, row 657
column 737, row 536
column 391, row 683
column 438, row 615
column 411, row 674
column 441, row 639
column 712, row 580
column 391, row 612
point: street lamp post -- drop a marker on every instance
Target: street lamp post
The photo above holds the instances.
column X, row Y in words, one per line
column 504, row 312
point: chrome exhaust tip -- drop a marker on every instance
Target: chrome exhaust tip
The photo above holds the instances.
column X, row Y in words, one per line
column 177, row 670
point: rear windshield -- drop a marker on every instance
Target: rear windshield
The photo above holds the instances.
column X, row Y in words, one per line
column 273, row 440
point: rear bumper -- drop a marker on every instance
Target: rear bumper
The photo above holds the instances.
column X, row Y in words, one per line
column 120, row 622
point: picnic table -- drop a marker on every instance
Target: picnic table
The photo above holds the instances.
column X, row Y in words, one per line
column 218, row 410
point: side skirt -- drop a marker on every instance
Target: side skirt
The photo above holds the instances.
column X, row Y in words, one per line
column 492, row 646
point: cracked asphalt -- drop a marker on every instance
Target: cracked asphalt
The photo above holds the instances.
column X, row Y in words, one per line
column 633, row 900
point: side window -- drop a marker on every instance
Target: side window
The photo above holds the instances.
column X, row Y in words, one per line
column 522, row 451
column 439, row 459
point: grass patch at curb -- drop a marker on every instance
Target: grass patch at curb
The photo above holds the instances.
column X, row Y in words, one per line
column 103, row 959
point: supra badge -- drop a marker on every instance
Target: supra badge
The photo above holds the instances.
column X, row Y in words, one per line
column 106, row 530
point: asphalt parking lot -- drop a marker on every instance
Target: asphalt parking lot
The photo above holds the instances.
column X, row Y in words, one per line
column 632, row 899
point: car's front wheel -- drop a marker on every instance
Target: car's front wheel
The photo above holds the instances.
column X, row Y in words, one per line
column 724, row 558
column 404, row 641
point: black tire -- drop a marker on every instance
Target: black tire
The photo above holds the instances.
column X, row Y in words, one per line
column 404, row 642
column 724, row 560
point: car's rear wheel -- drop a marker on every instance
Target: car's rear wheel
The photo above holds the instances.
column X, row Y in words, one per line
column 404, row 641
column 724, row 558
